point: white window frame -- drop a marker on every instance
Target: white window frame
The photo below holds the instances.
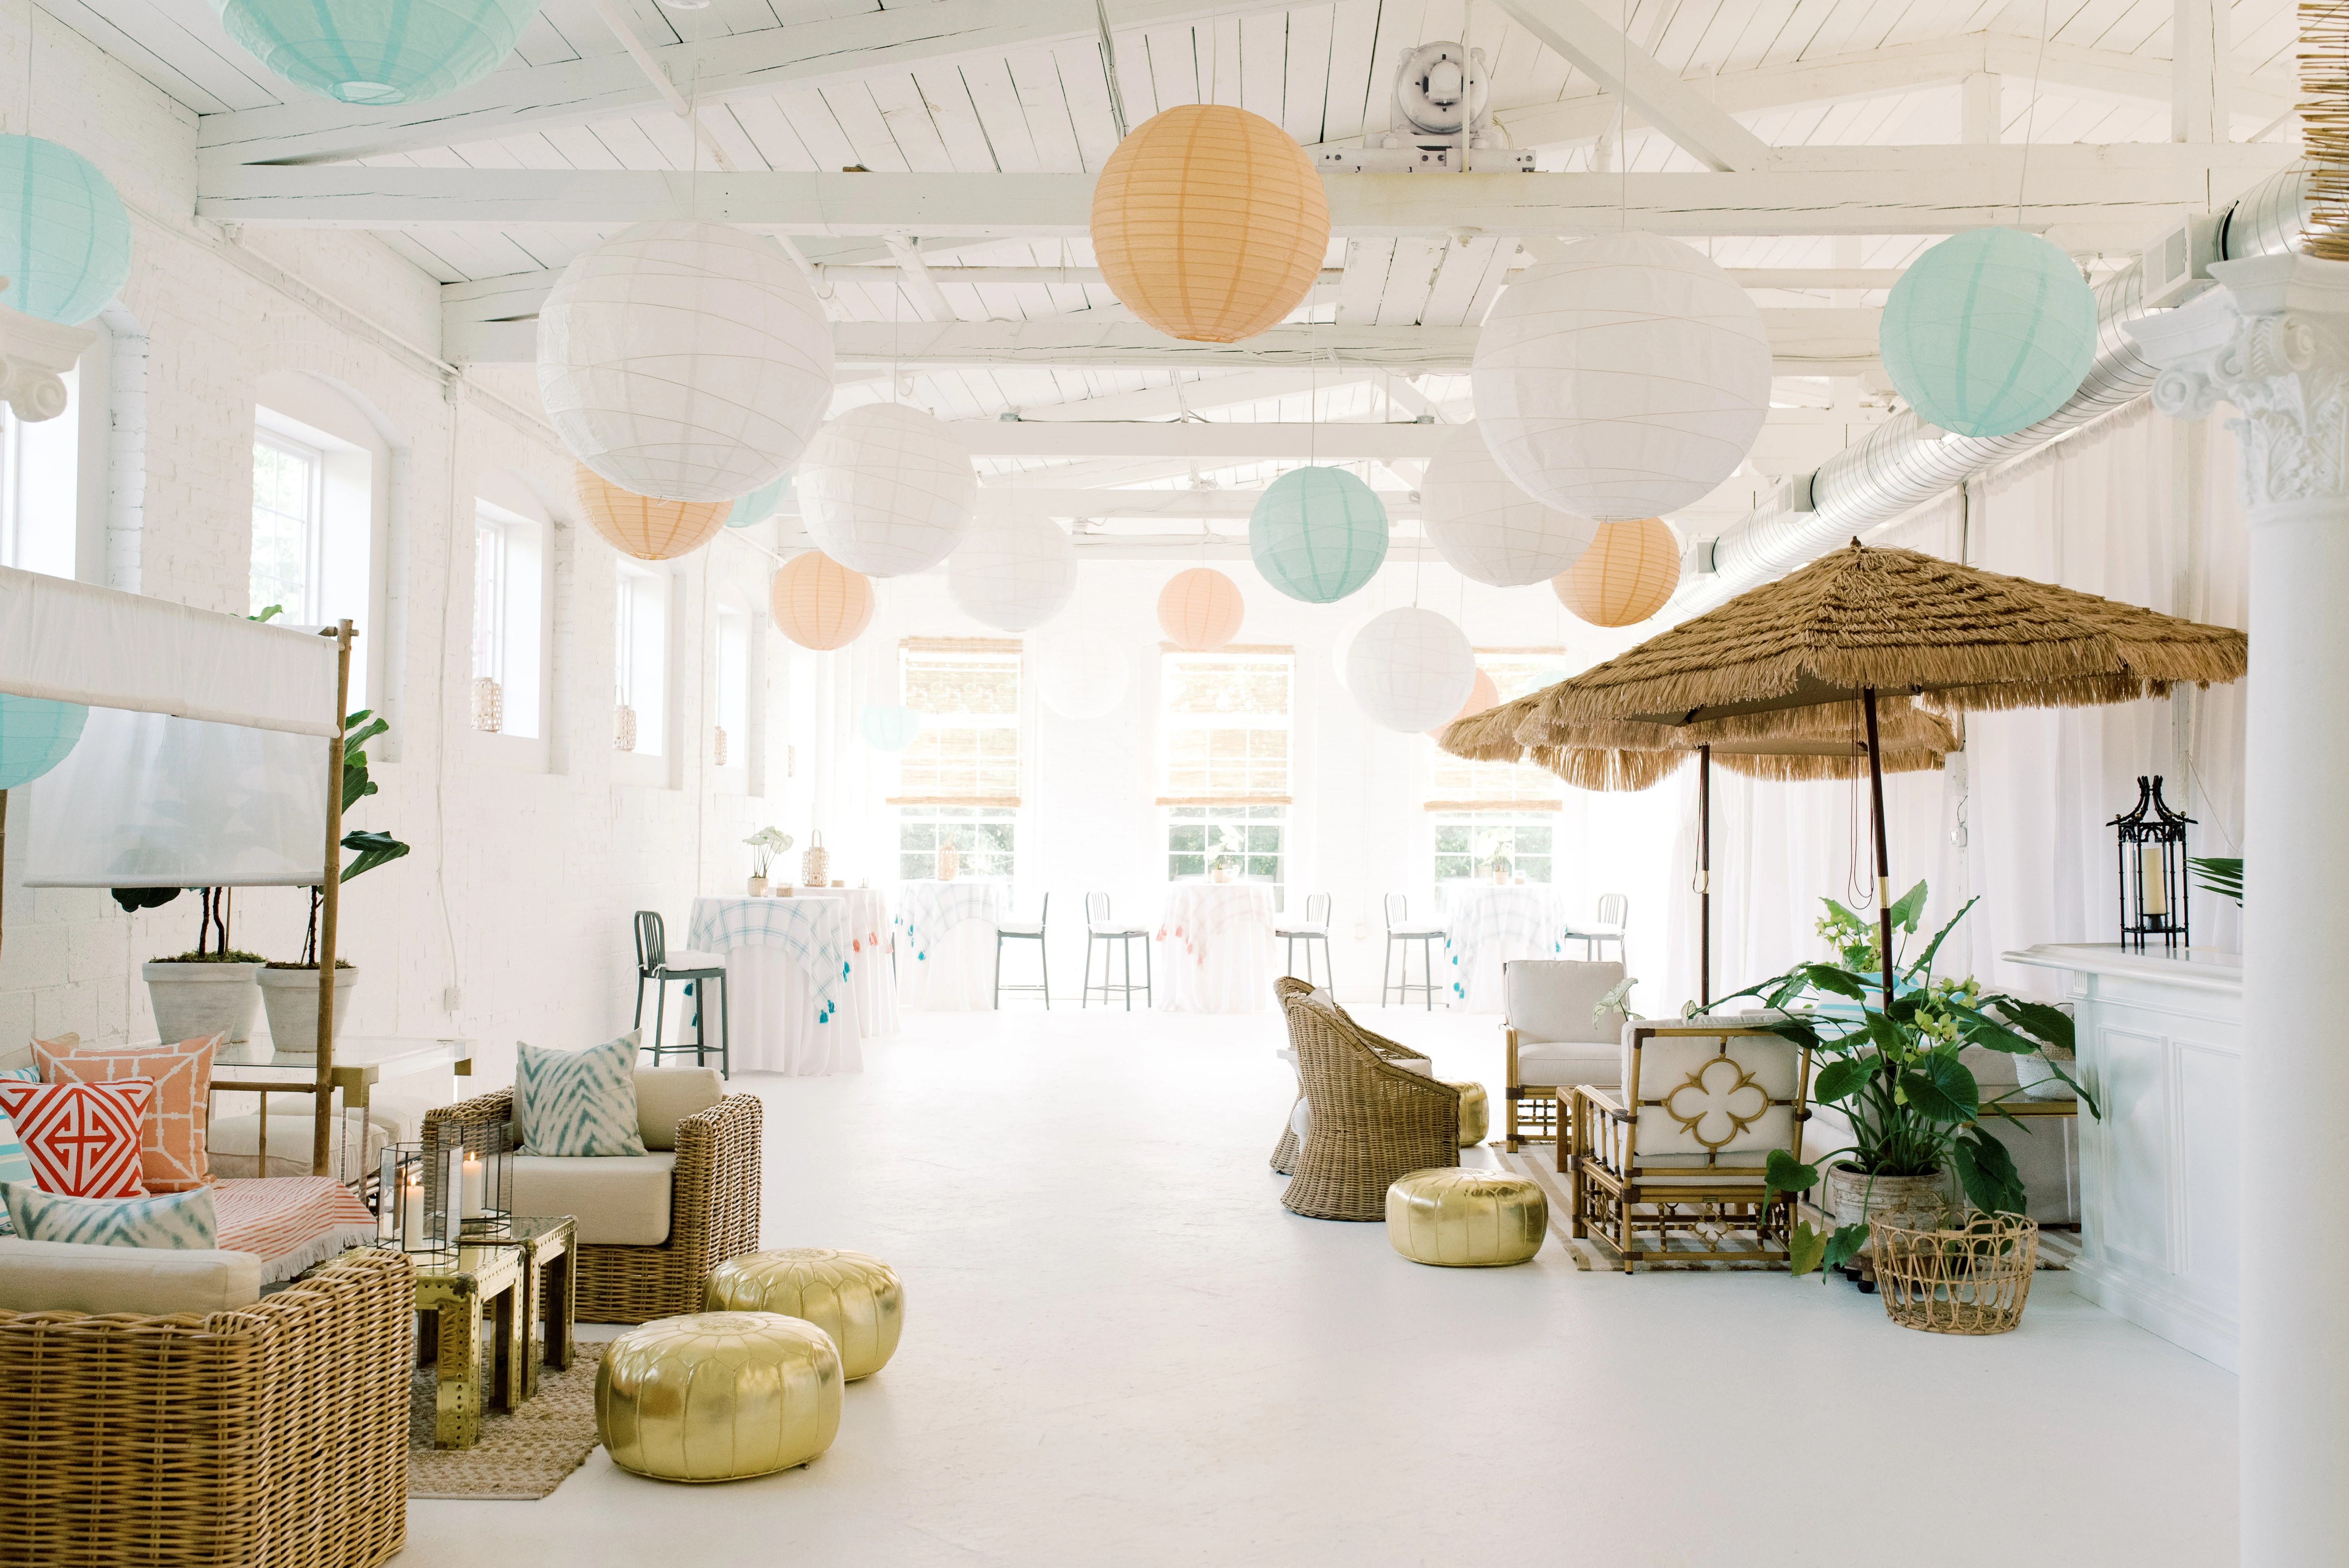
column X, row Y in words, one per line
column 1245, row 814
column 304, row 608
column 643, row 624
column 513, row 601
column 345, row 544
column 30, row 449
column 960, row 826
column 731, row 645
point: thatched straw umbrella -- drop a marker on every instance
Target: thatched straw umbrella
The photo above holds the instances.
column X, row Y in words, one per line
column 1850, row 625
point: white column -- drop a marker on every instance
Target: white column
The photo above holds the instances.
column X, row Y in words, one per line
column 2273, row 341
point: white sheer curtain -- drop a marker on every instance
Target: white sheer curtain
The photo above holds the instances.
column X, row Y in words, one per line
column 2138, row 508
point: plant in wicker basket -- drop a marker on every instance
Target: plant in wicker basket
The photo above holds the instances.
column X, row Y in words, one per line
column 1893, row 1069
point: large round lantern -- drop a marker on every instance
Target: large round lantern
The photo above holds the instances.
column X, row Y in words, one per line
column 1209, row 223
column 885, row 490
column 65, row 240
column 1488, row 529
column 1411, row 669
column 641, row 525
column 1318, row 534
column 1626, row 576
column 1480, row 695
column 819, row 604
column 1624, row 379
column 392, row 51
column 1080, row 676
column 760, row 504
column 688, row 361
column 888, row 726
column 1199, row 610
column 1013, row 572
column 1987, row 332
column 35, row 734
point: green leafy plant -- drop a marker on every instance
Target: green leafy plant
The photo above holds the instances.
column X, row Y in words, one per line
column 370, row 848
column 765, row 845
column 2220, row 874
column 1915, row 1108
column 1617, row 1000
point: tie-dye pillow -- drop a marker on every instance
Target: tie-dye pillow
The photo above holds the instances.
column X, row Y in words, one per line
column 15, row 1166
column 577, row 1102
column 173, row 1221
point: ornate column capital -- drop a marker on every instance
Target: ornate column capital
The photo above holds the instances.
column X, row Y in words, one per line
column 33, row 355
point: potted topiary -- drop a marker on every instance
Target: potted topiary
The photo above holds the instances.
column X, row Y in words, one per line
column 290, row 990
column 208, row 990
column 1893, row 1069
column 1501, row 868
column 765, row 845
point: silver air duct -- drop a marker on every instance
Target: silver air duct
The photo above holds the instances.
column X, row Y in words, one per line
column 1906, row 463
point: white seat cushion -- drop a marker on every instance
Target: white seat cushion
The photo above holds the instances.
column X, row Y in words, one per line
column 1562, row 1064
column 1113, row 929
column 69, row 1276
column 1020, row 927
column 1553, row 998
column 667, row 1096
column 1300, row 931
column 1416, row 931
column 619, row 1200
column 687, row 958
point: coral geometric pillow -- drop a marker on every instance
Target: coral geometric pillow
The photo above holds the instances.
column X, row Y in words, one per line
column 82, row 1139
column 171, row 1138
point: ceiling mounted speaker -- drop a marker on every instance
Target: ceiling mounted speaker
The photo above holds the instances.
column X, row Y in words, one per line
column 1625, row 378
column 687, row 361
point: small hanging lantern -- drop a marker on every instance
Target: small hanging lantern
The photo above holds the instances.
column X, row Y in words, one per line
column 2153, row 870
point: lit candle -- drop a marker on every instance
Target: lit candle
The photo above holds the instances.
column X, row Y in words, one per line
column 2156, row 890
column 411, row 1215
column 473, row 1189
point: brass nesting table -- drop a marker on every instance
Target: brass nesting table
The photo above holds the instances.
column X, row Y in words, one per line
column 517, row 1280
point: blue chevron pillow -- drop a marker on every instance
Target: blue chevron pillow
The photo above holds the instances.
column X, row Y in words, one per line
column 174, row 1222
column 577, row 1102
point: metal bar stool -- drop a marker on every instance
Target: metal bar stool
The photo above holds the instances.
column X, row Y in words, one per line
column 1313, row 928
column 1614, row 915
column 1099, row 927
column 1022, row 931
column 653, row 964
column 1399, row 931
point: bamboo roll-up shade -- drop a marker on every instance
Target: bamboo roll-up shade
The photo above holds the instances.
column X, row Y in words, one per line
column 1007, row 802
column 1225, row 800
column 1497, row 808
column 960, row 645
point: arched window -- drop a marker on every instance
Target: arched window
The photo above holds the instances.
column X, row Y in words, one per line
column 321, row 468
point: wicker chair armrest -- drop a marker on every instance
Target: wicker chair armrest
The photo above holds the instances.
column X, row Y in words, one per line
column 483, row 1109
column 714, row 1192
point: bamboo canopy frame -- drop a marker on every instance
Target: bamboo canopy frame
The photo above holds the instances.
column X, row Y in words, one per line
column 1858, row 625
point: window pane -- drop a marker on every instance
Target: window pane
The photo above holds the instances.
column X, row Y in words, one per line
column 284, row 486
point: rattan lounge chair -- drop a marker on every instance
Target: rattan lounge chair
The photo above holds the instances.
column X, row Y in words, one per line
column 1373, row 1120
column 274, row 1433
column 1284, row 1152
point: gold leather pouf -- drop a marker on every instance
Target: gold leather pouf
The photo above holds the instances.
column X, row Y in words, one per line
column 1476, row 1114
column 852, row 1296
column 717, row 1396
column 1461, row 1218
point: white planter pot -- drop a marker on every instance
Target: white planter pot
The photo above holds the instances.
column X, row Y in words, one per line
column 292, row 997
column 1911, row 1202
column 195, row 1000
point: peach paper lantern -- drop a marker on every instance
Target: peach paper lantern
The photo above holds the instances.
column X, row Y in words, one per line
column 1199, row 610
column 819, row 604
column 1625, row 576
column 1209, row 223
column 1480, row 695
column 641, row 526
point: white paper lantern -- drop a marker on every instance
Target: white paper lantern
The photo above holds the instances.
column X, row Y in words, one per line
column 1411, row 669
column 1080, row 675
column 1488, row 529
column 1013, row 572
column 1627, row 378
column 885, row 490
column 685, row 361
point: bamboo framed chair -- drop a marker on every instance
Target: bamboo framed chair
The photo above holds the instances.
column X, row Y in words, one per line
column 1553, row 1037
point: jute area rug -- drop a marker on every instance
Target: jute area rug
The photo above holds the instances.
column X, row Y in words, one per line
column 2056, row 1248
column 524, row 1453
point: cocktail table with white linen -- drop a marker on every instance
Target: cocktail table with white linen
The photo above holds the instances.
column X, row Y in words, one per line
column 787, row 972
column 870, row 935
column 1490, row 925
column 1215, row 952
column 945, row 944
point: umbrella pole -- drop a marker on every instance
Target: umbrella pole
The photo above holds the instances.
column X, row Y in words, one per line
column 1704, row 876
column 1883, row 856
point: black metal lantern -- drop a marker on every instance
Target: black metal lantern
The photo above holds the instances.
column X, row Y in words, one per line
column 2153, row 870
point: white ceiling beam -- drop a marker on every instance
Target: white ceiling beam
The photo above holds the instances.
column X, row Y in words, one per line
column 578, row 92
column 1206, row 395
column 1817, row 342
column 2086, row 197
column 2198, row 35
column 1678, row 109
column 997, row 500
column 1338, row 442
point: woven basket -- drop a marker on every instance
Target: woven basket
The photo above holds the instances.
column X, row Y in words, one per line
column 1970, row 1281
column 815, row 866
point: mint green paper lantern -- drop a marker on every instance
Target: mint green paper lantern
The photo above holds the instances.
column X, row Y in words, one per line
column 1318, row 534
column 1987, row 332
column 378, row 51
column 35, row 735
column 760, row 504
column 65, row 240
column 887, row 726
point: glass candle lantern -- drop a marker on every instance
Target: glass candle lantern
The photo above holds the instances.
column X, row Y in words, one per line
column 2153, row 888
column 412, row 1214
column 479, row 1158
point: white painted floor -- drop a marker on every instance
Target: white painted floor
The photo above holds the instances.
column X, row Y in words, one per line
column 1121, row 1350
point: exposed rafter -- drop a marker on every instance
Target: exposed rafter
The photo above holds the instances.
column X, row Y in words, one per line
column 1676, row 107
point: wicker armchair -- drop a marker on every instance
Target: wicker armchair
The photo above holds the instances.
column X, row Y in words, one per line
column 276, row 1433
column 1285, row 1151
column 1373, row 1121
column 713, row 1212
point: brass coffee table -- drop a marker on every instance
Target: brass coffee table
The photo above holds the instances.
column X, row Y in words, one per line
column 516, row 1279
